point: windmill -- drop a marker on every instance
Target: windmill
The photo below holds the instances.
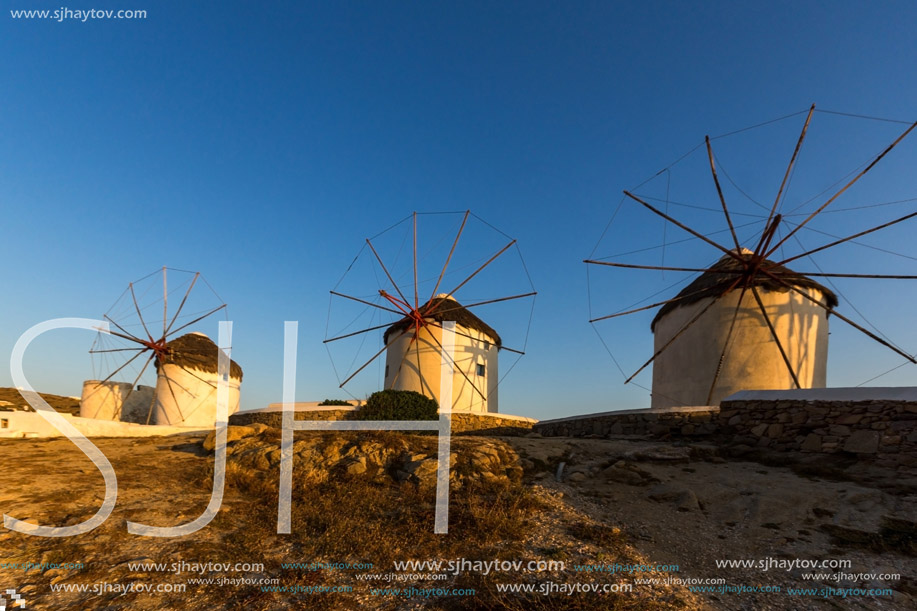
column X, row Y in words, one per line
column 746, row 317
column 406, row 282
column 143, row 331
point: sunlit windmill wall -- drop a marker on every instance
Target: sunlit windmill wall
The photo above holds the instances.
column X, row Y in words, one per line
column 103, row 400
column 699, row 368
column 186, row 386
column 417, row 365
column 748, row 321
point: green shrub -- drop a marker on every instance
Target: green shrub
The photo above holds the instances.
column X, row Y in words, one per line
column 398, row 405
column 336, row 402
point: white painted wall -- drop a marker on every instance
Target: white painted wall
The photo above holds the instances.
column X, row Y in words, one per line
column 29, row 424
column 422, row 367
column 683, row 373
column 103, row 400
column 189, row 398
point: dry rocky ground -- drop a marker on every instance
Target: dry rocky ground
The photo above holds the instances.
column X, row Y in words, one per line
column 369, row 498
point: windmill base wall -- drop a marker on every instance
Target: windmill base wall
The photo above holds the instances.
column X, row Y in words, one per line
column 877, row 426
column 184, row 398
column 418, row 367
column 103, row 400
column 683, row 372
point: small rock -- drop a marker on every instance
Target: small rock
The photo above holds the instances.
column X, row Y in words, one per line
column 862, row 442
column 233, row 433
column 683, row 498
column 812, row 443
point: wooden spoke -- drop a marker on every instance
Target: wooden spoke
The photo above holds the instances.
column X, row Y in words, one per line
column 385, row 269
column 498, row 300
column 199, row 318
column 369, row 303
column 339, row 337
column 769, row 232
column 459, row 333
column 207, row 382
column 848, row 238
column 761, row 248
column 696, row 234
column 869, row 276
column 129, row 361
column 366, row 364
column 127, row 334
column 842, row 190
column 649, row 307
column 659, row 267
column 416, row 303
column 165, row 302
column 680, row 332
column 139, row 315
column 719, row 364
column 841, row 316
column 719, row 192
column 182, row 304
column 433, row 308
column 451, row 251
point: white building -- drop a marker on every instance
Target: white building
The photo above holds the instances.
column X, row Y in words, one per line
column 684, row 372
column 417, row 365
column 186, row 386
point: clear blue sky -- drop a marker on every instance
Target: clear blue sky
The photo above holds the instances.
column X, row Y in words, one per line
column 260, row 143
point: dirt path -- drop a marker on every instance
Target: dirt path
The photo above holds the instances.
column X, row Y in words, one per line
column 689, row 507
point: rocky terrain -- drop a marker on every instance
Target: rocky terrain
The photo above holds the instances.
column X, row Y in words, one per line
column 368, row 498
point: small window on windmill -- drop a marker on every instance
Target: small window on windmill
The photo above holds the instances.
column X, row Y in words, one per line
column 386, row 370
column 480, row 369
column 4, row 423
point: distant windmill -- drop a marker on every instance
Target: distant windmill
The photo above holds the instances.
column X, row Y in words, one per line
column 405, row 299
column 748, row 321
column 143, row 330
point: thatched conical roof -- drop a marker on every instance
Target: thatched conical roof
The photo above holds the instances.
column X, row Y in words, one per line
column 716, row 280
column 196, row 351
column 446, row 308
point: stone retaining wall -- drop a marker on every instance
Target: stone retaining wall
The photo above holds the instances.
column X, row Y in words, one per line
column 490, row 424
column 689, row 422
column 876, row 425
column 883, row 431
column 275, row 418
column 462, row 422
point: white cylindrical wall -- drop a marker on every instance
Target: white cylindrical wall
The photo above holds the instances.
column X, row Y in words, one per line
column 684, row 371
column 418, row 367
column 189, row 397
column 103, row 400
